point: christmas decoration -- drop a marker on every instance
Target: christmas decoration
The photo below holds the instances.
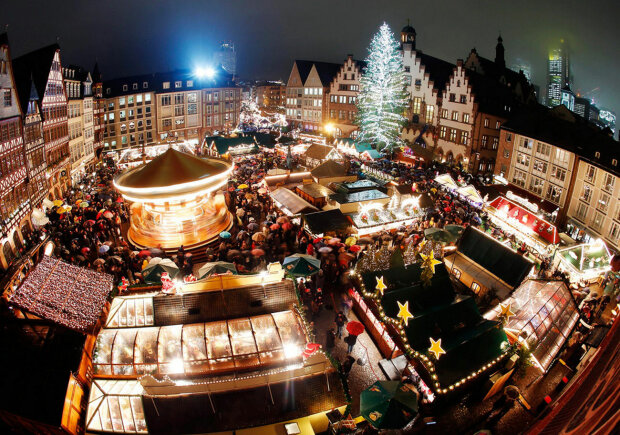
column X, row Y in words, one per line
column 430, row 261
column 310, row 350
column 436, row 348
column 403, row 312
column 167, row 285
column 505, row 311
column 189, row 278
column 383, row 97
column 380, row 285
column 123, row 285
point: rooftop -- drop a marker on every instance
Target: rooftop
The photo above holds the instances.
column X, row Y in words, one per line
column 361, row 196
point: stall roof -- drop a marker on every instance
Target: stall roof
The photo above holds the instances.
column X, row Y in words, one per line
column 495, row 257
column 361, row 196
column 294, row 203
column 590, row 257
column 470, row 341
column 469, row 192
column 546, row 311
column 329, row 169
column 361, row 184
column 479, row 274
column 447, row 181
column 545, row 230
column 68, row 295
column 318, row 152
column 324, row 221
column 315, row 190
column 372, row 154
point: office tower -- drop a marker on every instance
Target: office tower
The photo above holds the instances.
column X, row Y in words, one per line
column 558, row 73
column 227, row 57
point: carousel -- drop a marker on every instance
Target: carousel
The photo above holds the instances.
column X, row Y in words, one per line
column 175, row 200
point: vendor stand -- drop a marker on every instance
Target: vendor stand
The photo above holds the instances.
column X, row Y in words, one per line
column 586, row 262
column 522, row 221
column 542, row 314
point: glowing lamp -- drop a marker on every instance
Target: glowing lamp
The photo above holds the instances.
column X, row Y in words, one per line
column 204, row 72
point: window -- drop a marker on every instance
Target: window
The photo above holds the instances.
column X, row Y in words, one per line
column 559, row 173
column 179, row 110
column 553, row 193
column 527, row 143
column 179, row 99
column 407, row 69
column 444, row 113
column 603, row 202
column 452, row 135
column 536, row 185
column 121, row 101
column 145, row 85
column 111, row 116
column 495, row 143
column 561, row 156
column 442, row 132
column 614, row 162
column 508, row 137
column 590, row 174
column 455, row 115
column 484, row 141
column 475, row 287
column 166, row 85
column 497, row 125
column 165, row 100
column 519, row 178
column 125, row 87
column 614, row 232
column 139, row 98
column 430, row 113
column 453, row 97
column 582, row 212
column 456, row 273
column 189, row 84
column 122, row 114
column 523, row 159
column 130, row 99
column 167, row 122
column 586, row 194
column 418, row 84
column 463, row 99
column 8, row 98
column 540, row 166
column 191, row 97
column 466, row 118
column 608, row 182
column 597, row 223
column 417, row 104
column 597, row 155
column 506, row 153
column 486, row 122
column 192, row 109
column 147, row 98
column 178, row 84
column 465, row 137
column 134, row 86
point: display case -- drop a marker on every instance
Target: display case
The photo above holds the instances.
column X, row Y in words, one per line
column 200, row 348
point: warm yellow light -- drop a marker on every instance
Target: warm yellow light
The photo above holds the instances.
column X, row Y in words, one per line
column 329, row 128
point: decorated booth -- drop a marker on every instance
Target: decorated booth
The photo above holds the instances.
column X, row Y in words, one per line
column 585, row 262
column 520, row 218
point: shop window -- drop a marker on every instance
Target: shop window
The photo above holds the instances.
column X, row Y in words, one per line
column 457, row 273
column 475, row 287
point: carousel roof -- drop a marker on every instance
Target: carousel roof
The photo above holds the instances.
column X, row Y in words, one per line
column 172, row 168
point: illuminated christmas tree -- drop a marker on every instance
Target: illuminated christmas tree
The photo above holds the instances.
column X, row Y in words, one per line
column 383, row 97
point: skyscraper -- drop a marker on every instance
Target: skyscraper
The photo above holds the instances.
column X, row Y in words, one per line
column 227, row 57
column 558, row 74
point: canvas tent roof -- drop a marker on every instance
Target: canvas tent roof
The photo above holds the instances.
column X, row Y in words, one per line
column 294, row 203
column 324, row 221
column 447, row 181
column 495, row 257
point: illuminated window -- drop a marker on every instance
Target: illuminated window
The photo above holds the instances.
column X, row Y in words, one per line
column 475, row 287
column 456, row 273
column 178, row 84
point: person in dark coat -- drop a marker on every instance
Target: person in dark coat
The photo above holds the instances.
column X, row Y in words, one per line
column 340, row 321
column 330, row 340
column 347, row 365
column 350, row 340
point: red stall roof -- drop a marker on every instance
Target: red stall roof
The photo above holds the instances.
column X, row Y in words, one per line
column 544, row 229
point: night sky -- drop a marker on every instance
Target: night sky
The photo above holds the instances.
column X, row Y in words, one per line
column 137, row 36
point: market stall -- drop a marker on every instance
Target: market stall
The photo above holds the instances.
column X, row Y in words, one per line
column 201, row 348
column 544, row 313
column 446, row 181
column 585, row 262
column 470, row 194
column 291, row 204
column 115, row 406
column 131, row 311
column 522, row 221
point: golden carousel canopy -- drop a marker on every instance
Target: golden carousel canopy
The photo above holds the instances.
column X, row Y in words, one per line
column 173, row 175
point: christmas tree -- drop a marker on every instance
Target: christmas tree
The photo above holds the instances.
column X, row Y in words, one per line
column 383, row 96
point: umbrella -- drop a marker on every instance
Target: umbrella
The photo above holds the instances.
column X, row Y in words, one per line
column 108, row 214
column 243, row 186
column 104, row 248
column 274, row 227
column 262, row 190
column 354, row 327
column 47, row 203
column 233, row 253
column 225, row 235
column 78, row 202
column 301, row 265
column 61, row 210
column 84, row 204
column 350, row 241
column 258, row 252
column 209, row 269
column 282, row 220
column 119, row 199
column 345, row 257
column 438, row 235
column 98, row 261
column 57, row 203
column 144, row 253
column 333, row 241
column 325, row 250
column 89, row 222
column 117, row 258
column 253, row 226
column 355, row 248
column 85, row 250
column 152, row 272
column 455, row 230
column 258, row 237
column 286, row 226
column 156, row 251
column 389, row 404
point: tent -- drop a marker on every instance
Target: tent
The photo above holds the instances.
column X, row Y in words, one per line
column 152, row 272
column 389, row 404
column 301, row 265
column 586, row 261
column 290, row 203
column 216, row 267
column 445, row 180
column 470, row 194
column 321, row 222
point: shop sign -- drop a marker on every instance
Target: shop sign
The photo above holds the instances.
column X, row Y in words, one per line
column 523, row 201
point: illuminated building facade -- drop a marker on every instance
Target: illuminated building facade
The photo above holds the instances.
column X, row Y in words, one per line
column 343, row 91
column 558, row 74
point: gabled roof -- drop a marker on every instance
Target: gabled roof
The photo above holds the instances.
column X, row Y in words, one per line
column 35, row 66
column 303, row 67
column 564, row 129
column 439, row 71
column 317, row 151
column 493, row 256
column 329, row 169
column 327, row 71
column 492, row 97
column 294, row 203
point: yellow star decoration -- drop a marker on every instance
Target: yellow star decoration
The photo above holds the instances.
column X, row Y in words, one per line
column 436, row 348
column 380, row 284
column 506, row 311
column 430, row 261
column 403, row 312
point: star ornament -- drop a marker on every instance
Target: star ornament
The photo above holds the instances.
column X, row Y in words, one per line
column 380, row 284
column 506, row 311
column 436, row 348
column 403, row 312
column 430, row 261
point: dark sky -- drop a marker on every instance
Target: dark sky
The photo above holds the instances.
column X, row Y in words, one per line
column 135, row 36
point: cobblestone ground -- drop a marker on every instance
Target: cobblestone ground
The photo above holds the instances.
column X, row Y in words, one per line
column 361, row 376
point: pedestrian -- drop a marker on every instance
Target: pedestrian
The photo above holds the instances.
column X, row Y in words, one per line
column 347, row 365
column 346, row 303
column 330, row 340
column 340, row 320
column 350, row 340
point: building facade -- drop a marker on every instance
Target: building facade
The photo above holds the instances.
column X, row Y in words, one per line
column 178, row 109
column 221, row 107
column 558, row 74
column 342, row 102
column 270, row 95
column 226, row 56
